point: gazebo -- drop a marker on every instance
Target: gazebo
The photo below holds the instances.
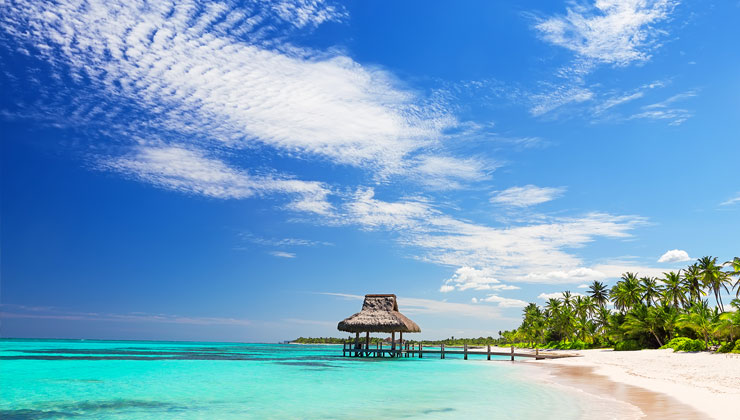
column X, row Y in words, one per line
column 379, row 314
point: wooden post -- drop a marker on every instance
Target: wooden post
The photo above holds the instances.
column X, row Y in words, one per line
column 344, row 349
column 465, row 351
column 536, row 351
column 379, row 346
column 512, row 352
column 443, row 351
column 393, row 340
column 367, row 343
column 420, row 347
column 489, row 352
column 400, row 342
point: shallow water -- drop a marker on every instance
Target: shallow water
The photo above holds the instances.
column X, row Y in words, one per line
column 72, row 379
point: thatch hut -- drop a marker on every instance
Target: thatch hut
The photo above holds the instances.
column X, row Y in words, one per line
column 379, row 314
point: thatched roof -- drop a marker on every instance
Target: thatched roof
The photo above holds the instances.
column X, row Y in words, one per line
column 379, row 314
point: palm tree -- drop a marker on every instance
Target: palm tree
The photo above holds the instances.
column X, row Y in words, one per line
column 552, row 307
column 643, row 319
column 735, row 267
column 692, row 279
column 619, row 297
column 650, row 290
column 632, row 289
column 599, row 293
column 603, row 316
column 583, row 306
column 674, row 290
column 567, row 298
column 729, row 323
column 698, row 319
column 713, row 278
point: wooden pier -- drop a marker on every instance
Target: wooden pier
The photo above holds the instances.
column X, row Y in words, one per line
column 359, row 349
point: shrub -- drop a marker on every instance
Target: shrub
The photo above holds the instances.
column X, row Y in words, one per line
column 627, row 345
column 686, row 344
column 676, row 342
column 552, row 345
column 726, row 347
column 737, row 347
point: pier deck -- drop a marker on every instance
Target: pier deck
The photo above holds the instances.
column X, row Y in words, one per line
column 352, row 349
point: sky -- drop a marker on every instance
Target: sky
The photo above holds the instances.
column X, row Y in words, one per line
column 247, row 171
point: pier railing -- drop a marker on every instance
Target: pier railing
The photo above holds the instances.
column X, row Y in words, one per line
column 362, row 349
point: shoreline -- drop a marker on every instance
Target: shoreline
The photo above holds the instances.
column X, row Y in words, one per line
column 663, row 384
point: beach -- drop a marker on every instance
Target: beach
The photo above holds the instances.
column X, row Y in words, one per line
column 706, row 382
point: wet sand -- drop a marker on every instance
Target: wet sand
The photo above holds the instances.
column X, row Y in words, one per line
column 654, row 405
column 707, row 382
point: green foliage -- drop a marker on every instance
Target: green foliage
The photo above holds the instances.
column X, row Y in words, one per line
column 685, row 344
column 627, row 345
column 649, row 312
column 575, row 345
column 737, row 347
column 726, row 347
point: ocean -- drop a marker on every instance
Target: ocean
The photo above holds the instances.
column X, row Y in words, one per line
column 77, row 379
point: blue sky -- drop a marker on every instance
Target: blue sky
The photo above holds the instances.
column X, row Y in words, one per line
column 245, row 171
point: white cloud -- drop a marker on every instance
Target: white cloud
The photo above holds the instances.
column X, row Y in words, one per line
column 504, row 287
column 615, row 32
column 665, row 111
column 556, row 295
column 612, row 102
column 469, row 278
column 372, row 213
column 731, row 201
column 557, row 97
column 611, row 32
column 583, row 286
column 219, row 73
column 283, row 242
column 674, row 255
column 581, row 273
column 527, row 195
column 615, row 269
column 443, row 172
column 502, row 301
column 505, row 253
column 191, row 171
column 282, row 254
column 434, row 307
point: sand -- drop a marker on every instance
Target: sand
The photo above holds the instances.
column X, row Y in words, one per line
column 708, row 383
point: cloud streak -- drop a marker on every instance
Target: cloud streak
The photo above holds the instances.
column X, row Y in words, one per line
column 20, row 311
column 617, row 33
column 527, row 253
column 526, row 196
column 191, row 171
column 206, row 73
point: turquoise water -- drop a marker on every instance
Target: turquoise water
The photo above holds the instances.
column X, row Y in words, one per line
column 69, row 379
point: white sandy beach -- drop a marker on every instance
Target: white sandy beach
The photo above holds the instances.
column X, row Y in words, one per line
column 708, row 382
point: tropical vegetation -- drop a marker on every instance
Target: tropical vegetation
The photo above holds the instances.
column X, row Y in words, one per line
column 672, row 311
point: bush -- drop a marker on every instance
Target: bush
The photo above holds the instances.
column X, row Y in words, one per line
column 685, row 344
column 678, row 341
column 627, row 345
column 737, row 347
column 726, row 347
column 693, row 345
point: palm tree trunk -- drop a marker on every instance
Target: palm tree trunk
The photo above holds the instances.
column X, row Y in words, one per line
column 656, row 337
